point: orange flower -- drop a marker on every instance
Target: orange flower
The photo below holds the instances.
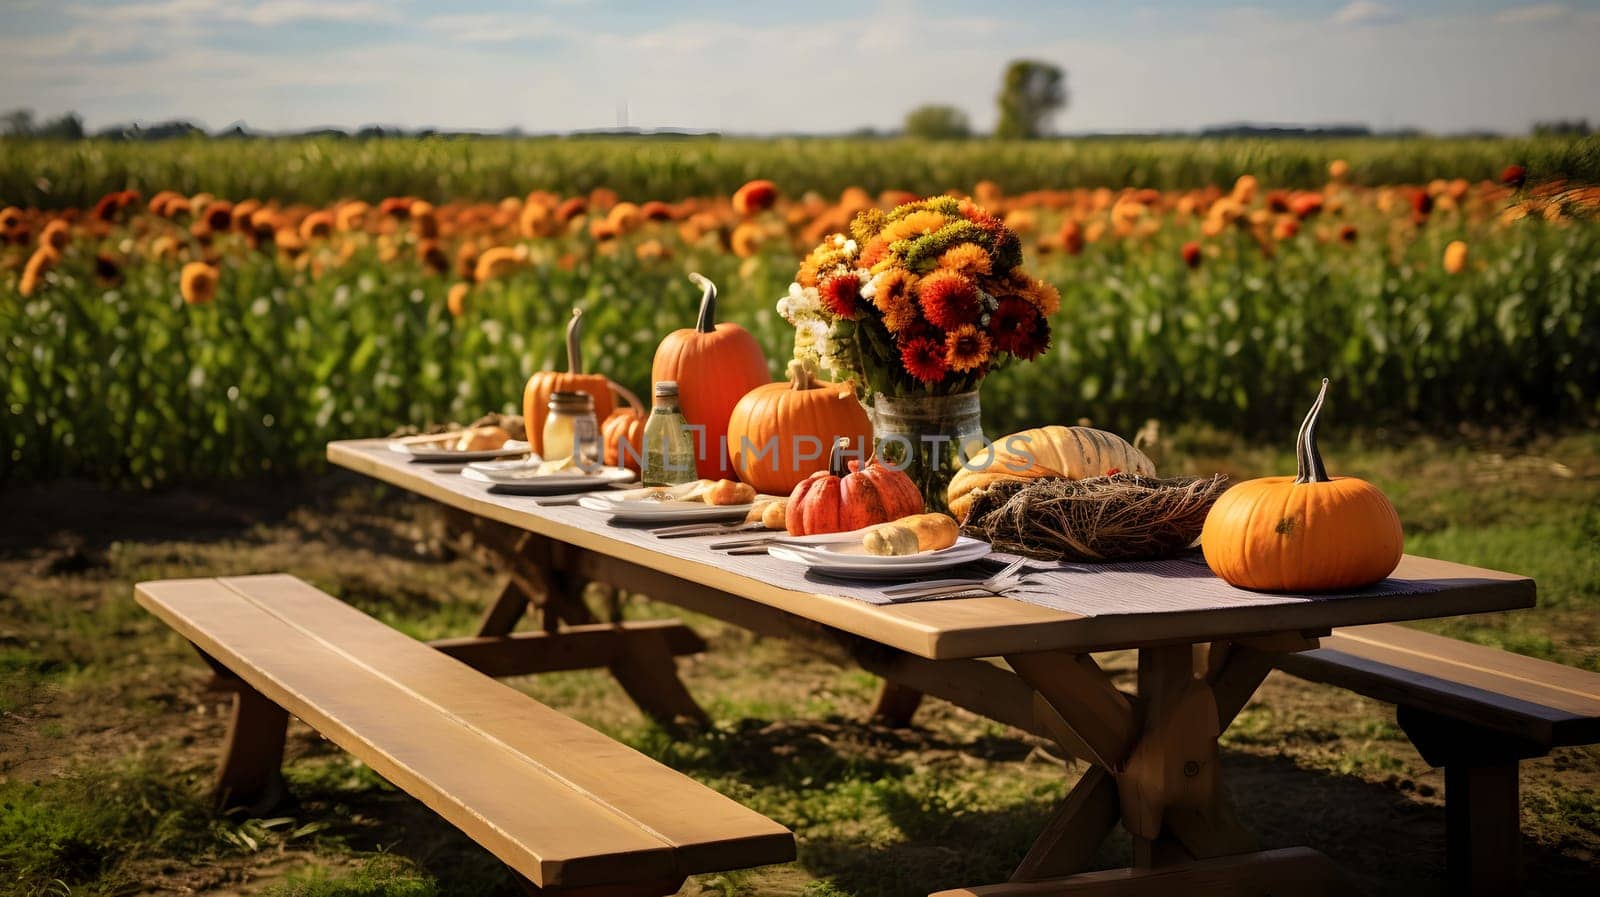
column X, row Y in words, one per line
column 1338, row 170
column 1455, row 257
column 498, row 262
column 219, row 216
column 424, row 220
column 656, row 210
column 1286, row 228
column 316, row 225
column 536, row 220
column 433, row 257
column 1044, row 296
column 625, row 217
column 923, row 358
column 968, row 259
column 601, row 230
column 917, row 224
column 351, row 215
column 1514, row 176
column 1347, row 233
column 651, row 250
column 571, row 209
column 33, row 273
column 457, row 300
column 966, row 348
column 746, row 239
column 948, row 300
column 198, row 283
column 756, row 196
column 54, row 236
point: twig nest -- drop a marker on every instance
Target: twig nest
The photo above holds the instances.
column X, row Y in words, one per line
column 1123, row 517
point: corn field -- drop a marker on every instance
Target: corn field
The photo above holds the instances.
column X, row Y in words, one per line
column 193, row 311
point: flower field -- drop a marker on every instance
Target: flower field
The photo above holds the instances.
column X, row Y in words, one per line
column 166, row 315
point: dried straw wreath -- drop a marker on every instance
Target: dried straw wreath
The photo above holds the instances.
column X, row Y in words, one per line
column 1116, row 518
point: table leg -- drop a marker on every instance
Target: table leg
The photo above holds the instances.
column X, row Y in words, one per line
column 639, row 656
column 1156, row 769
column 896, row 704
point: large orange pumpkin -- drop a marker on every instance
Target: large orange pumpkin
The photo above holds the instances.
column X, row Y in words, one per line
column 622, row 434
column 778, row 432
column 1307, row 533
column 536, row 395
column 714, row 365
column 849, row 497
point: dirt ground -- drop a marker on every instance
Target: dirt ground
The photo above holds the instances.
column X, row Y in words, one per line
column 108, row 736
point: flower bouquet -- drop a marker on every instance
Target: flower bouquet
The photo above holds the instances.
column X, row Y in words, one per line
column 917, row 305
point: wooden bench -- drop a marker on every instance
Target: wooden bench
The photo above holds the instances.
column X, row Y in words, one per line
column 1473, row 710
column 566, row 808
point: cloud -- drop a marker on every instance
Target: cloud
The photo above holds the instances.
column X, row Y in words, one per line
column 488, row 28
column 1533, row 13
column 282, row 12
column 1365, row 12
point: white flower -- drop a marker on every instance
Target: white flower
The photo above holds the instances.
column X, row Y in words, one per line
column 812, row 333
column 804, row 300
column 783, row 309
column 850, row 248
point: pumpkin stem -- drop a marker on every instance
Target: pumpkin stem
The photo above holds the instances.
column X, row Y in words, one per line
column 1310, row 466
column 836, row 463
column 574, row 353
column 800, row 376
column 708, row 303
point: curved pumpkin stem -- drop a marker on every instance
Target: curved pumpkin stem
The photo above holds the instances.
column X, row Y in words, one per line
column 627, row 395
column 708, row 303
column 1310, row 466
column 574, row 353
column 800, row 376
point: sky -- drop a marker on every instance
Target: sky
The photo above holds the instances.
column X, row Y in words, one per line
column 820, row 66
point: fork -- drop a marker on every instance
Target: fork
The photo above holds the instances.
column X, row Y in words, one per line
column 941, row 585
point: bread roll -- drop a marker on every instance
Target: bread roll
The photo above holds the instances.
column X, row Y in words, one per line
column 480, row 439
column 890, row 540
column 933, row 531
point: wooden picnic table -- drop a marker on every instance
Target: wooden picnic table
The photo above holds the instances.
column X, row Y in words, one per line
column 1154, row 753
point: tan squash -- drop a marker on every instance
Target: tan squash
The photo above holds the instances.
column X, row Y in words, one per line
column 1076, row 453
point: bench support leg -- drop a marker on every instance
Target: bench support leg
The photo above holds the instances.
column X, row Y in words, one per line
column 251, row 774
column 1483, row 840
column 896, row 705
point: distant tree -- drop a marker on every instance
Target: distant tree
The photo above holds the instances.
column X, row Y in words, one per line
column 1031, row 92
column 1577, row 127
column 65, row 127
column 18, row 122
column 936, row 122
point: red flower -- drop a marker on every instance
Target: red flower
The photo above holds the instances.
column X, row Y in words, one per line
column 840, row 294
column 571, row 209
column 948, row 299
column 1514, row 176
column 924, row 359
column 1347, row 233
column 756, row 196
column 1421, row 203
column 1015, row 326
column 1305, row 205
column 1191, row 254
column 1072, row 237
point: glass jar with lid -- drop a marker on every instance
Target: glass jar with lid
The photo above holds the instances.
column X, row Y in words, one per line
column 669, row 445
column 571, row 431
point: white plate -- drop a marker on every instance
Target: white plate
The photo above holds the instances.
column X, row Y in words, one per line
column 550, row 483
column 629, row 508
column 851, row 560
column 432, row 452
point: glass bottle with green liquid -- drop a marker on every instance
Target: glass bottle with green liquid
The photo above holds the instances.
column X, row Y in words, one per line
column 669, row 446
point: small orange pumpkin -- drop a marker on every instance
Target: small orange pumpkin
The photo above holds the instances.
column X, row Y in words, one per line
column 622, row 434
column 536, row 395
column 769, row 424
column 849, row 497
column 1307, row 533
column 714, row 366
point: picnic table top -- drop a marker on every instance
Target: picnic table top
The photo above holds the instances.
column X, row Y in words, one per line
column 1179, row 611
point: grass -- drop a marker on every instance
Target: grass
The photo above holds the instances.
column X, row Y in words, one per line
column 107, row 738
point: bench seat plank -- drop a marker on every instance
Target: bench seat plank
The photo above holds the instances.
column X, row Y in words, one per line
column 1548, row 703
column 559, row 802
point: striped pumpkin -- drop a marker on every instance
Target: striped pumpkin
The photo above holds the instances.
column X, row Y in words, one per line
column 1076, row 453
